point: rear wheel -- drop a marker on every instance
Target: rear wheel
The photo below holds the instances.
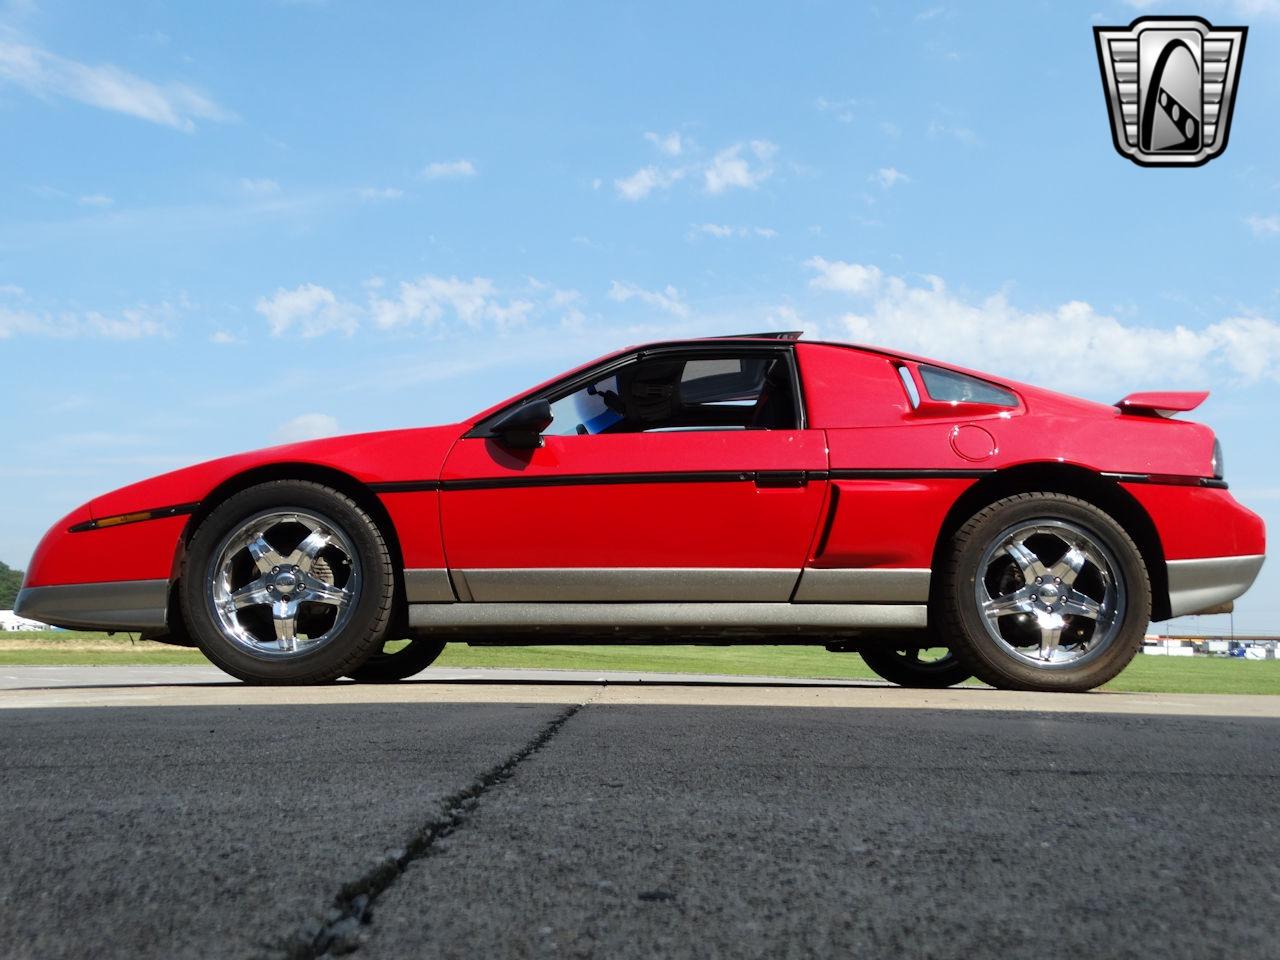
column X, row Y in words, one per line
column 1044, row 591
column 287, row 582
column 932, row 667
column 388, row 667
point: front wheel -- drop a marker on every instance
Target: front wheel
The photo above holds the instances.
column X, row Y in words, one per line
column 1043, row 591
column 932, row 668
column 287, row 582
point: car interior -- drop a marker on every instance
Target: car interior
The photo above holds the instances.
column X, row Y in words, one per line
column 722, row 392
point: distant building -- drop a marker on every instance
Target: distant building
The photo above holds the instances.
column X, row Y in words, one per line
column 1245, row 646
column 10, row 622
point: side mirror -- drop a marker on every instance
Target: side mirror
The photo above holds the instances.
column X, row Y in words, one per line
column 522, row 427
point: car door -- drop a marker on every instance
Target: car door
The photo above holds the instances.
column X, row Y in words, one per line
column 668, row 475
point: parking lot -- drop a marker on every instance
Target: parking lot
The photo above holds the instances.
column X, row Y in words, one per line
column 162, row 812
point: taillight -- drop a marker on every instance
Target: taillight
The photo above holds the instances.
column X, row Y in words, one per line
column 1216, row 462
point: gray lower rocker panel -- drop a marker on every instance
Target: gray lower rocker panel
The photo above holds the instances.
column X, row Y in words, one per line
column 1196, row 585
column 427, row 585
column 674, row 618
column 863, row 585
column 629, row 584
column 124, row 605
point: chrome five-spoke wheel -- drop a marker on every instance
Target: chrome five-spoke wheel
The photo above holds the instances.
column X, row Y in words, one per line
column 1050, row 592
column 1044, row 591
column 289, row 581
column 284, row 582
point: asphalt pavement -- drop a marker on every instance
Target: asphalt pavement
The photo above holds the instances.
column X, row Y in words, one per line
column 163, row 812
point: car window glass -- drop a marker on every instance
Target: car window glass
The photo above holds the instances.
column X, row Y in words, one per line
column 948, row 386
column 592, row 409
column 668, row 394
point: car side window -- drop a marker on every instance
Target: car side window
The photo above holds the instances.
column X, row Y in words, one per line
column 948, row 386
column 749, row 391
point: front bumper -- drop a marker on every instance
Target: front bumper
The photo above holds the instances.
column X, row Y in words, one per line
column 1204, row 585
column 122, row 605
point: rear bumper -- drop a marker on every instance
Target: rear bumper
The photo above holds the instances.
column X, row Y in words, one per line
column 1202, row 585
column 123, row 605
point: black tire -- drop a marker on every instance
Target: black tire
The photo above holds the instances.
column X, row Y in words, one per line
column 905, row 667
column 370, row 610
column 962, row 622
column 404, row 663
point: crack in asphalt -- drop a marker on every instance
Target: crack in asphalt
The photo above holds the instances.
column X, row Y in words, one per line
column 338, row 932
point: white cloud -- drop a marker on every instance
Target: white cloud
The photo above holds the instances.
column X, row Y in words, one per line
column 741, row 165
column 131, row 323
column 937, row 128
column 307, row 426
column 1240, row 8
column 667, row 300
column 259, row 186
column 428, row 300
column 722, row 231
column 670, row 143
column 1089, row 351
column 431, row 302
column 222, row 337
column 887, row 177
column 842, row 110
column 644, row 181
column 731, row 168
column 448, row 170
column 843, row 277
column 96, row 200
column 47, row 75
column 931, row 13
column 17, row 322
column 1264, row 226
column 308, row 310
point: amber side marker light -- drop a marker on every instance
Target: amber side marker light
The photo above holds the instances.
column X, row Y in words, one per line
column 137, row 516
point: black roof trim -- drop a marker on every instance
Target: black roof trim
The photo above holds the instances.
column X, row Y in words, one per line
column 772, row 335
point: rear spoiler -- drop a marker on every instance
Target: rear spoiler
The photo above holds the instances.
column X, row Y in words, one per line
column 1162, row 403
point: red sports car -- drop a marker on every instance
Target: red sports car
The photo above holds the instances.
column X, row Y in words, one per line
column 747, row 489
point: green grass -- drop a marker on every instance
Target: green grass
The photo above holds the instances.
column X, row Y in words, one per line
column 1144, row 675
column 99, row 658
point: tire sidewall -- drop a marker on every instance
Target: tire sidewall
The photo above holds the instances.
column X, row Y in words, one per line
column 992, row 662
column 404, row 663
column 363, row 630
column 888, row 665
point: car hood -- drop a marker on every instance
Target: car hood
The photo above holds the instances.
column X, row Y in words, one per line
column 387, row 456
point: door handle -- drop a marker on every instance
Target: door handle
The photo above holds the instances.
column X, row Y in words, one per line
column 782, row 478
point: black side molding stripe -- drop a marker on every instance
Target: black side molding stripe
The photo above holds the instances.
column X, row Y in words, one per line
column 405, row 486
column 766, row 478
column 134, row 516
column 601, row 479
column 920, row 474
column 1167, row 480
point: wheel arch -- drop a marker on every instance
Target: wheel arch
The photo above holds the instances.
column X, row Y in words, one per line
column 331, row 477
column 1075, row 481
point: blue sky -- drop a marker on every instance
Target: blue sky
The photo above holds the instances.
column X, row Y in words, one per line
column 223, row 230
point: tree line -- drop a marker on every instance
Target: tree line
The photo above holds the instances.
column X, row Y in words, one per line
column 10, row 583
